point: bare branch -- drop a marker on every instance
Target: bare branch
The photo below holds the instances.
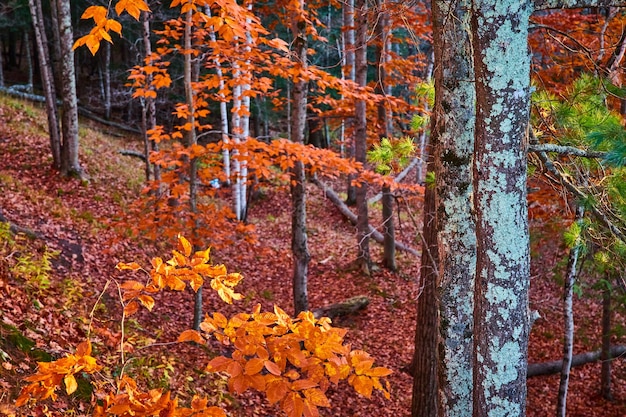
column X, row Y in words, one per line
column 565, row 150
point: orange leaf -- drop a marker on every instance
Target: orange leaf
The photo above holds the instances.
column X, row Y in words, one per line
column 186, row 246
column 272, row 368
column 131, row 308
column 190, row 336
column 254, row 366
column 132, row 286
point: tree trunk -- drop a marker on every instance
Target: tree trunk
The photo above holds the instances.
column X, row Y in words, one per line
column 568, row 316
column 605, row 355
column 47, row 81
column 299, row 246
column 29, row 62
column 360, row 138
column 389, row 233
column 69, row 147
column 349, row 72
column 2, row 61
column 223, row 107
column 425, row 357
column 107, row 80
column 454, row 116
column 501, row 322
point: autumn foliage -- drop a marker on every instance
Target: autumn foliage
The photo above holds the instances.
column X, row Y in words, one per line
column 293, row 361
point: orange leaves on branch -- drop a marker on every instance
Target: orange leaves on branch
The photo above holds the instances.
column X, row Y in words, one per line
column 50, row 375
column 293, row 361
column 104, row 25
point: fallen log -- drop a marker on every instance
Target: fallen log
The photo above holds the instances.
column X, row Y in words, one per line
column 15, row 229
column 342, row 309
column 554, row 367
column 135, row 154
column 345, row 210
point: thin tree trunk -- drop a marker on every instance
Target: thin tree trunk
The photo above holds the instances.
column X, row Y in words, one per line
column 360, row 148
column 47, row 81
column 69, row 148
column 299, row 245
column 29, row 63
column 349, row 73
column 568, row 316
column 2, row 62
column 107, row 80
column 605, row 355
column 223, row 107
column 425, row 358
column 501, row 322
column 150, row 104
column 192, row 140
column 389, row 247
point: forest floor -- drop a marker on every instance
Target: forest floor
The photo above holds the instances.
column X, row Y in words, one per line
column 58, row 309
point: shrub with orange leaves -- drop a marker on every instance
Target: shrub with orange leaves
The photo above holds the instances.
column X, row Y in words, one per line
column 293, row 361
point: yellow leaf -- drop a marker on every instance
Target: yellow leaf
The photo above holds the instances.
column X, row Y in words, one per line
column 190, row 336
column 146, row 301
column 186, row 246
column 70, row 384
column 362, row 384
column 98, row 13
column 133, row 266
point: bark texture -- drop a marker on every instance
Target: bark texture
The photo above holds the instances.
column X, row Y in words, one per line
column 454, row 124
column 501, row 323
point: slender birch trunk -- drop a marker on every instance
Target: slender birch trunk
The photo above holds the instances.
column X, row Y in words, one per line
column 568, row 318
column 69, row 147
column 349, row 37
column 47, row 80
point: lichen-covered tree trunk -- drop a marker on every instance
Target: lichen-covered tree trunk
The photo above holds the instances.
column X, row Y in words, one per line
column 360, row 138
column 69, row 146
column 149, row 109
column 501, row 324
column 299, row 246
column 47, row 81
column 454, row 124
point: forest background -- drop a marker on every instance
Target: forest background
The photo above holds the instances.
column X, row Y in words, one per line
column 208, row 90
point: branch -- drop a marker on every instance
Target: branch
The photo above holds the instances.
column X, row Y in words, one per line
column 15, row 229
column 602, row 218
column 554, row 367
column 136, row 154
column 345, row 210
column 398, row 178
column 575, row 4
column 566, row 150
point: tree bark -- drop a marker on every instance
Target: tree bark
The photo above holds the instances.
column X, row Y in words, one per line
column 360, row 138
column 299, row 246
column 69, row 147
column 568, row 316
column 349, row 72
column 424, row 401
column 47, row 81
column 501, row 322
column 454, row 116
